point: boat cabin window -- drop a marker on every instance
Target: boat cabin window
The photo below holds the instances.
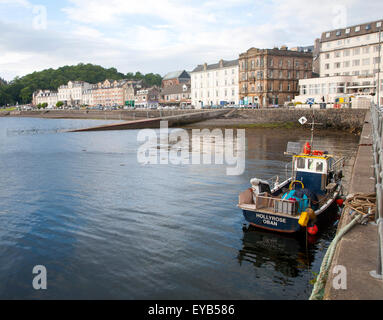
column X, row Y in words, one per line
column 319, row 167
column 310, row 165
column 301, row 163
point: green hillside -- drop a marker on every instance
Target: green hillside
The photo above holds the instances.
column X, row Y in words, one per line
column 21, row 89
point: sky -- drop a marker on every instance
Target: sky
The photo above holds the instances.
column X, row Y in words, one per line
column 161, row 36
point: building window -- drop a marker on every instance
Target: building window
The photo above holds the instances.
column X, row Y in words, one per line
column 327, row 66
column 347, row 30
column 337, row 54
column 366, row 62
column 338, row 33
column 327, row 56
column 346, row 53
column 356, row 51
column 328, row 34
column 355, row 63
column 337, row 65
column 366, row 49
column 357, row 29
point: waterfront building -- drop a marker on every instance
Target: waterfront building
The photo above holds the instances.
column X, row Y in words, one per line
column 215, row 84
column 72, row 93
column 330, row 89
column 178, row 95
column 148, row 98
column 349, row 63
column 175, row 77
column 45, row 96
column 111, row 93
column 270, row 76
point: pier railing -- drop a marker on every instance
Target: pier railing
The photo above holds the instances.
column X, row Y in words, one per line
column 377, row 146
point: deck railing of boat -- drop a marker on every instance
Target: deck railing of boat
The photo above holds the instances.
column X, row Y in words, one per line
column 278, row 179
column 338, row 165
column 278, row 205
column 377, row 137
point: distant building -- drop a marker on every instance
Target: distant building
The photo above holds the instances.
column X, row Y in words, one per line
column 72, row 93
column 175, row 77
column 176, row 95
column 303, row 49
column 45, row 96
column 316, row 57
column 349, row 61
column 148, row 98
column 270, row 76
column 111, row 93
column 215, row 84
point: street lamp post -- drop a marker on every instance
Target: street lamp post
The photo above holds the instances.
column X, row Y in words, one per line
column 378, row 85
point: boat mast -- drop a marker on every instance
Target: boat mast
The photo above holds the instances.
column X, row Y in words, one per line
column 312, row 131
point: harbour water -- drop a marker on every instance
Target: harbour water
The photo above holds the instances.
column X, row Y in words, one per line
column 107, row 227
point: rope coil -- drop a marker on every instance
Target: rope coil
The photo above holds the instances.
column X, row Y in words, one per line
column 363, row 206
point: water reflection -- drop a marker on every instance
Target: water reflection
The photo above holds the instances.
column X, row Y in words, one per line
column 287, row 254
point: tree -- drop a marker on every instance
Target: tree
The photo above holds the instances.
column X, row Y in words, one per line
column 21, row 89
column 59, row 104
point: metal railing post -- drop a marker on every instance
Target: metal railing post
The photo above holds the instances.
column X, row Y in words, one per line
column 377, row 141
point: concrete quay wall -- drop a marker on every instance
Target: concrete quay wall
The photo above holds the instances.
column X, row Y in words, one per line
column 329, row 118
column 357, row 250
column 98, row 114
column 177, row 120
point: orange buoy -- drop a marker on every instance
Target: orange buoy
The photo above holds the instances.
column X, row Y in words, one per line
column 339, row 202
column 313, row 230
column 307, row 148
column 317, row 153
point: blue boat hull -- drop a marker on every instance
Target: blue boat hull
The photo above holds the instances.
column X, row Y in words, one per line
column 272, row 222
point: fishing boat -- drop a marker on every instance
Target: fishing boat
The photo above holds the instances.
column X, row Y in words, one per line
column 308, row 191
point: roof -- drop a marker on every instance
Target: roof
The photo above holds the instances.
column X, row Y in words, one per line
column 275, row 52
column 174, row 89
column 220, row 64
column 365, row 28
column 177, row 74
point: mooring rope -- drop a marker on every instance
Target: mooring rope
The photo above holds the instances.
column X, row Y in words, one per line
column 362, row 206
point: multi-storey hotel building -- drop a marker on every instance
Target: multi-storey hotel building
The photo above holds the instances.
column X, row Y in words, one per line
column 349, row 63
column 215, row 84
column 270, row 76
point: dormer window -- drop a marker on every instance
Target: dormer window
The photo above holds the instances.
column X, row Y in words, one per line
column 368, row 27
column 338, row 33
column 328, row 34
column 348, row 30
column 357, row 29
column 379, row 24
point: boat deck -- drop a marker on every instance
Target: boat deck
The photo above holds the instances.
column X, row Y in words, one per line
column 268, row 210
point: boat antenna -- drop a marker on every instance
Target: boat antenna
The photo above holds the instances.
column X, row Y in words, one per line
column 312, row 130
column 303, row 121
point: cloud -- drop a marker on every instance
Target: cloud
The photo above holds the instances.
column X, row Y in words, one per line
column 161, row 36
